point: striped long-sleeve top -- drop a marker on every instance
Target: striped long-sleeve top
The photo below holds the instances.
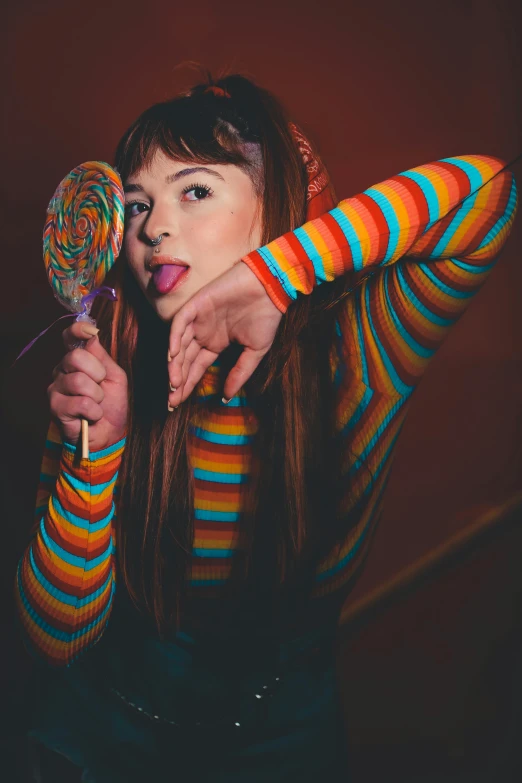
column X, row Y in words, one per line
column 429, row 237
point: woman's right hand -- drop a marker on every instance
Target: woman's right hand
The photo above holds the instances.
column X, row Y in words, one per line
column 88, row 384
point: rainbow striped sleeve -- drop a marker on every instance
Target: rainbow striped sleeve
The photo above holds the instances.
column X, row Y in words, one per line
column 454, row 208
column 65, row 579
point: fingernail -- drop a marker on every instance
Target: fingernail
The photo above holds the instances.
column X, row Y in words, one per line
column 226, row 401
column 90, row 329
column 169, row 408
column 169, row 357
column 172, row 388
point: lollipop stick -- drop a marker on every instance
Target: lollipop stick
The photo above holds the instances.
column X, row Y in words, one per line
column 85, row 424
column 85, row 439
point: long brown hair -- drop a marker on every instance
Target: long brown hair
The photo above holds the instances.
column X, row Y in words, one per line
column 294, row 486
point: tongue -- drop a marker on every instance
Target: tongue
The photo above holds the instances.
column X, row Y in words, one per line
column 165, row 276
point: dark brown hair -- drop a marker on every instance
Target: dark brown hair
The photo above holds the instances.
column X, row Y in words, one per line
column 294, row 487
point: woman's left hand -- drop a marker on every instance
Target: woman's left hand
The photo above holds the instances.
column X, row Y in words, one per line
column 232, row 308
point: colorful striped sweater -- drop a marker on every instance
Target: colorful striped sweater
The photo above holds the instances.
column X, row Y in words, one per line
column 430, row 236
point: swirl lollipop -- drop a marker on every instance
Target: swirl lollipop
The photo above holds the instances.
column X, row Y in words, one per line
column 82, row 239
column 83, row 231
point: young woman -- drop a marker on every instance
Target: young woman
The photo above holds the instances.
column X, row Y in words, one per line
column 245, row 393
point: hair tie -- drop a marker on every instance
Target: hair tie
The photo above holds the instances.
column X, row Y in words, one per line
column 219, row 91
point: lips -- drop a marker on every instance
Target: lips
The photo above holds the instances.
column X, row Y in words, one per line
column 168, row 272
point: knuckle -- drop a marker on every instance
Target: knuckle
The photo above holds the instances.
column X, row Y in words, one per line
column 76, row 382
column 84, row 403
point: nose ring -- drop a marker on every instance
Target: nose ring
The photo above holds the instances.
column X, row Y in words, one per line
column 156, row 241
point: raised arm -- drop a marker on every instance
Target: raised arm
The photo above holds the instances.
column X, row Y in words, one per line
column 418, row 213
column 65, row 579
column 428, row 239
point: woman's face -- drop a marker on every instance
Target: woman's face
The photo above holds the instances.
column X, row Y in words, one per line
column 209, row 217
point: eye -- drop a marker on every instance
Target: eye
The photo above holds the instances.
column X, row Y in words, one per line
column 133, row 208
column 200, row 192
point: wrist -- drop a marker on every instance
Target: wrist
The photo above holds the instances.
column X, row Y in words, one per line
column 105, row 454
column 269, row 279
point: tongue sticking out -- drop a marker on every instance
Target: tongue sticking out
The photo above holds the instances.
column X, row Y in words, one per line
column 166, row 276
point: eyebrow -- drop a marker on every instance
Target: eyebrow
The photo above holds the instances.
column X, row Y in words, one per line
column 136, row 187
column 188, row 172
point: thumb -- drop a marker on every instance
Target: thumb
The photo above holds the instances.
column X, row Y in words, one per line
column 241, row 372
column 112, row 369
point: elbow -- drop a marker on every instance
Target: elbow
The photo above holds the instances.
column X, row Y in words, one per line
column 51, row 642
column 55, row 653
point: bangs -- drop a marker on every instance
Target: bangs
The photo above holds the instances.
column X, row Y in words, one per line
column 189, row 130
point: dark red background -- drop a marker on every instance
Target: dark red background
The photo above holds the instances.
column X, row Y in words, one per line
column 381, row 87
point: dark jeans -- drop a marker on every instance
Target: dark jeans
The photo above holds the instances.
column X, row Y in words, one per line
column 295, row 733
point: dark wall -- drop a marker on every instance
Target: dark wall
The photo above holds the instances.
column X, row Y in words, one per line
column 382, row 87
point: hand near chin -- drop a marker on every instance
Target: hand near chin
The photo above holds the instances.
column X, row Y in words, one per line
column 232, row 308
